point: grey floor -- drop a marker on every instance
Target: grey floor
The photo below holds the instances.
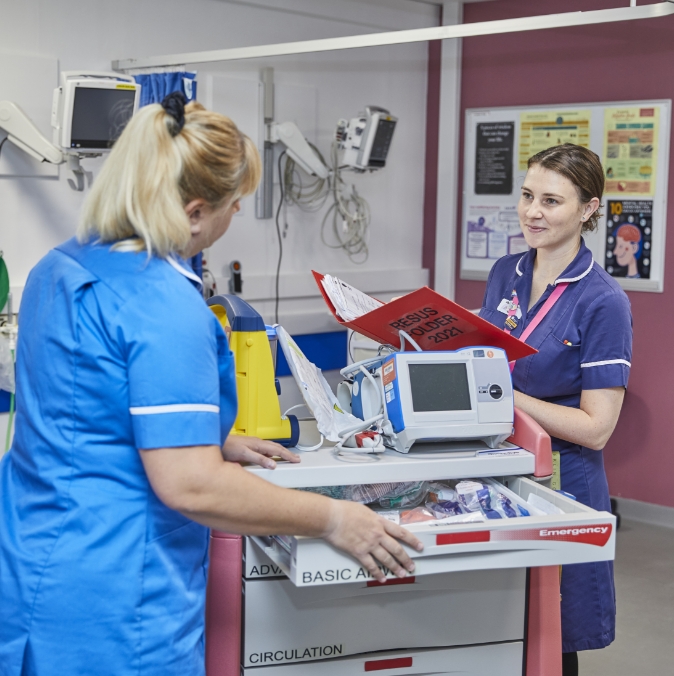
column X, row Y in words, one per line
column 644, row 644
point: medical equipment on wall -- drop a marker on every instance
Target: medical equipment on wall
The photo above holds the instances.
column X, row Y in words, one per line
column 257, row 389
column 89, row 112
column 235, row 281
column 366, row 139
column 297, row 147
column 415, row 397
column 91, row 109
column 361, row 144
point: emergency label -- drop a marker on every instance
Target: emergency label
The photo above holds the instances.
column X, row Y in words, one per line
column 594, row 534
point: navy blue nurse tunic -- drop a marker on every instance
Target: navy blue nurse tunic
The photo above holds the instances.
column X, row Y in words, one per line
column 584, row 343
column 116, row 352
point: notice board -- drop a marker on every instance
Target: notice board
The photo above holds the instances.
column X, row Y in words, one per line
column 632, row 140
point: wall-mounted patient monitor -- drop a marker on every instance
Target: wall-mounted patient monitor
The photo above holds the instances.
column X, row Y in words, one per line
column 91, row 109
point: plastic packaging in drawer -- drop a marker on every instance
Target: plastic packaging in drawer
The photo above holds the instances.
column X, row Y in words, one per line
column 335, row 621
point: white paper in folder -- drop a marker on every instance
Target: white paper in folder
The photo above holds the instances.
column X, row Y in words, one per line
column 349, row 302
column 317, row 394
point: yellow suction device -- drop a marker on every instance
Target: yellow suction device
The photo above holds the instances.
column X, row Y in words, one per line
column 259, row 413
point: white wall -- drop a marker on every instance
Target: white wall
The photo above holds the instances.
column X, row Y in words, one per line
column 37, row 213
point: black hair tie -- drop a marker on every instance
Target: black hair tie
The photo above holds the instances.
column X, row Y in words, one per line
column 174, row 105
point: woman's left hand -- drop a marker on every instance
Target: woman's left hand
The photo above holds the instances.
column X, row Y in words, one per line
column 257, row 451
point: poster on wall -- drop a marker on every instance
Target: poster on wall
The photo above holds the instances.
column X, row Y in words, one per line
column 494, row 158
column 493, row 232
column 629, row 239
column 631, row 149
column 542, row 129
column 631, row 139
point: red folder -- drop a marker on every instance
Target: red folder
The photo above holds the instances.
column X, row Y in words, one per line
column 433, row 321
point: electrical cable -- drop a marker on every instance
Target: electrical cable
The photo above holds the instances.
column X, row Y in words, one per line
column 308, row 197
column 348, row 432
column 348, row 346
column 350, row 215
column 348, row 212
column 280, row 239
column 406, row 336
column 2, row 143
column 297, row 446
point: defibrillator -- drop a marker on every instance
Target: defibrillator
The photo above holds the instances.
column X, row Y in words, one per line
column 420, row 397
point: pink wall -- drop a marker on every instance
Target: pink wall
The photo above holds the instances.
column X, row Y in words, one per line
column 609, row 62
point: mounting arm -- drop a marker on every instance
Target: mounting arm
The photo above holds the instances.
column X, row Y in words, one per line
column 25, row 135
column 297, row 147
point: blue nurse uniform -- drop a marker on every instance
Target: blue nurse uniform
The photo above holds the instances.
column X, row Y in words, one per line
column 116, row 352
column 584, row 343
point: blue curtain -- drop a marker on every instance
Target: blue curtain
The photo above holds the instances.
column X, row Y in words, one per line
column 154, row 87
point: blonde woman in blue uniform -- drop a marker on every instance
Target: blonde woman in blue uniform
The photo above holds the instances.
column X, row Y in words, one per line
column 125, row 397
column 574, row 387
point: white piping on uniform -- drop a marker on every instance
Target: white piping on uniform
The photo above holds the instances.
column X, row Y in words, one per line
column 190, row 275
column 173, row 408
column 575, row 279
column 604, row 363
column 517, row 267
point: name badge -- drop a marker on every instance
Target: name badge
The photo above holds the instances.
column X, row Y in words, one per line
column 510, row 307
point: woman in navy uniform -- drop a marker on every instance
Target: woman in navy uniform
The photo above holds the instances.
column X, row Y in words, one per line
column 574, row 387
column 125, row 398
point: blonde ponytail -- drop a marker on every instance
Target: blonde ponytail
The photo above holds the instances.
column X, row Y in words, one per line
column 152, row 172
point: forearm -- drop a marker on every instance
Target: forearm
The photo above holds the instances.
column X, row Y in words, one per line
column 224, row 496
column 591, row 425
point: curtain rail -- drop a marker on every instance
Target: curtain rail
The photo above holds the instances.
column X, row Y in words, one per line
column 406, row 36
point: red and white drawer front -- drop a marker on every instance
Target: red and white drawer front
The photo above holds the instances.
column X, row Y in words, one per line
column 504, row 659
column 283, row 623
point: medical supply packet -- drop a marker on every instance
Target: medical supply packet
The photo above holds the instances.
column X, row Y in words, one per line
column 545, row 506
column 389, row 496
column 318, row 396
column 436, row 502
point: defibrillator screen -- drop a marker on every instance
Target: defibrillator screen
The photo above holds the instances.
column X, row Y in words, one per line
column 439, row 387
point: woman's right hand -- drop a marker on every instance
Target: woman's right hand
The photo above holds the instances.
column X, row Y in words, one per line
column 369, row 537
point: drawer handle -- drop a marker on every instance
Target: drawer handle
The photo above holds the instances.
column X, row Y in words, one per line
column 395, row 663
column 462, row 538
column 392, row 581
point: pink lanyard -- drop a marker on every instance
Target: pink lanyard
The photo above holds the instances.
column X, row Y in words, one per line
column 540, row 315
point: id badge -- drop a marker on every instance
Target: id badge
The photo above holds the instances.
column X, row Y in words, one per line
column 556, row 481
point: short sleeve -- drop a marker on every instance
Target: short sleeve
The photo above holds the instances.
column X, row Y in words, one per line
column 606, row 342
column 172, row 360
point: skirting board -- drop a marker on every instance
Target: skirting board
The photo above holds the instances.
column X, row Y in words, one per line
column 646, row 512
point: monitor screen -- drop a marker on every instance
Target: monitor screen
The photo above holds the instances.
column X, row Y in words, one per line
column 381, row 143
column 99, row 116
column 439, row 387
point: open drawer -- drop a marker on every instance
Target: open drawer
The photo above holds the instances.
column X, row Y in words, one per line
column 579, row 535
